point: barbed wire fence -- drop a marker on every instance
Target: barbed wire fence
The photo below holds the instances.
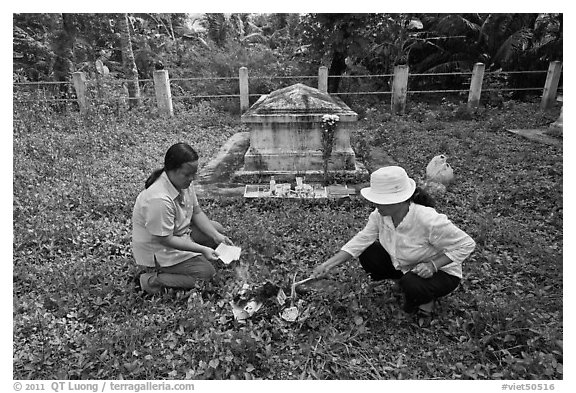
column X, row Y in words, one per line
column 113, row 93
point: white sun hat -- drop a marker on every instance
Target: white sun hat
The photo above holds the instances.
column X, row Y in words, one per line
column 389, row 185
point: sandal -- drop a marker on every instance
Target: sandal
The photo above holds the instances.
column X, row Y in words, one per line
column 424, row 317
column 136, row 281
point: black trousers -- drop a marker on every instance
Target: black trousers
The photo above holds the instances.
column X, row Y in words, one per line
column 376, row 261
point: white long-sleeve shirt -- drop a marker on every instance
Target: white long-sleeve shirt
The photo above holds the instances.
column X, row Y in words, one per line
column 422, row 234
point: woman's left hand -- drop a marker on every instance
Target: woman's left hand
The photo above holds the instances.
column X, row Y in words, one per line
column 220, row 238
column 424, row 269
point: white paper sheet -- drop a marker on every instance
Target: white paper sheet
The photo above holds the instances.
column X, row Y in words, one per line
column 228, row 253
column 281, row 297
column 290, row 314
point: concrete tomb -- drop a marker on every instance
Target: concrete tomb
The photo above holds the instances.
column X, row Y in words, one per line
column 286, row 134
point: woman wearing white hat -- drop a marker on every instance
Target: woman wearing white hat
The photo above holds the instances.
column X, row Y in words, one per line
column 405, row 239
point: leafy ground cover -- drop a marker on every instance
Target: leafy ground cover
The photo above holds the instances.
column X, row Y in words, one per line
column 77, row 315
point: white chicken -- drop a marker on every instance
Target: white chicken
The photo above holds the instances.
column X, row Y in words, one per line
column 439, row 171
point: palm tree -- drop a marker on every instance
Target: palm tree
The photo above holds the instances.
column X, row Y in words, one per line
column 496, row 40
column 448, row 43
column 503, row 42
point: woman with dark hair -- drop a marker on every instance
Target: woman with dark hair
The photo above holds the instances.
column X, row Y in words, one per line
column 171, row 236
column 406, row 240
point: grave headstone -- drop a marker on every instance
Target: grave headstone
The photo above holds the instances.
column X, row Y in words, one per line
column 286, row 135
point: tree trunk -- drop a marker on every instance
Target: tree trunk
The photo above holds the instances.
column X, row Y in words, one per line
column 128, row 62
column 64, row 53
column 64, row 50
column 337, row 68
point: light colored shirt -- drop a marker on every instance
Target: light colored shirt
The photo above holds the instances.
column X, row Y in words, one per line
column 161, row 210
column 423, row 234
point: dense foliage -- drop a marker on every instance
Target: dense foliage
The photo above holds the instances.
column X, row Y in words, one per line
column 77, row 315
column 51, row 46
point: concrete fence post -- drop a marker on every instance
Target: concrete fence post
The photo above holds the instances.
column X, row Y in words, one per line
column 399, row 89
column 244, row 97
column 79, row 80
column 163, row 93
column 551, row 85
column 323, row 79
column 476, row 86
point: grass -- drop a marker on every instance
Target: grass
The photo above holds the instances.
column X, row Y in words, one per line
column 77, row 316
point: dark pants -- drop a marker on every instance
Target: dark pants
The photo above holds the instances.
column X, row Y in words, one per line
column 185, row 274
column 417, row 290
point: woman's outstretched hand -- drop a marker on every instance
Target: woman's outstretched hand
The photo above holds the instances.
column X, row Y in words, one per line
column 321, row 270
column 220, row 238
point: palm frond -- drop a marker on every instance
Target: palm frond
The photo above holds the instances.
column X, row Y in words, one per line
column 254, row 38
column 514, row 44
column 451, row 66
column 456, row 24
